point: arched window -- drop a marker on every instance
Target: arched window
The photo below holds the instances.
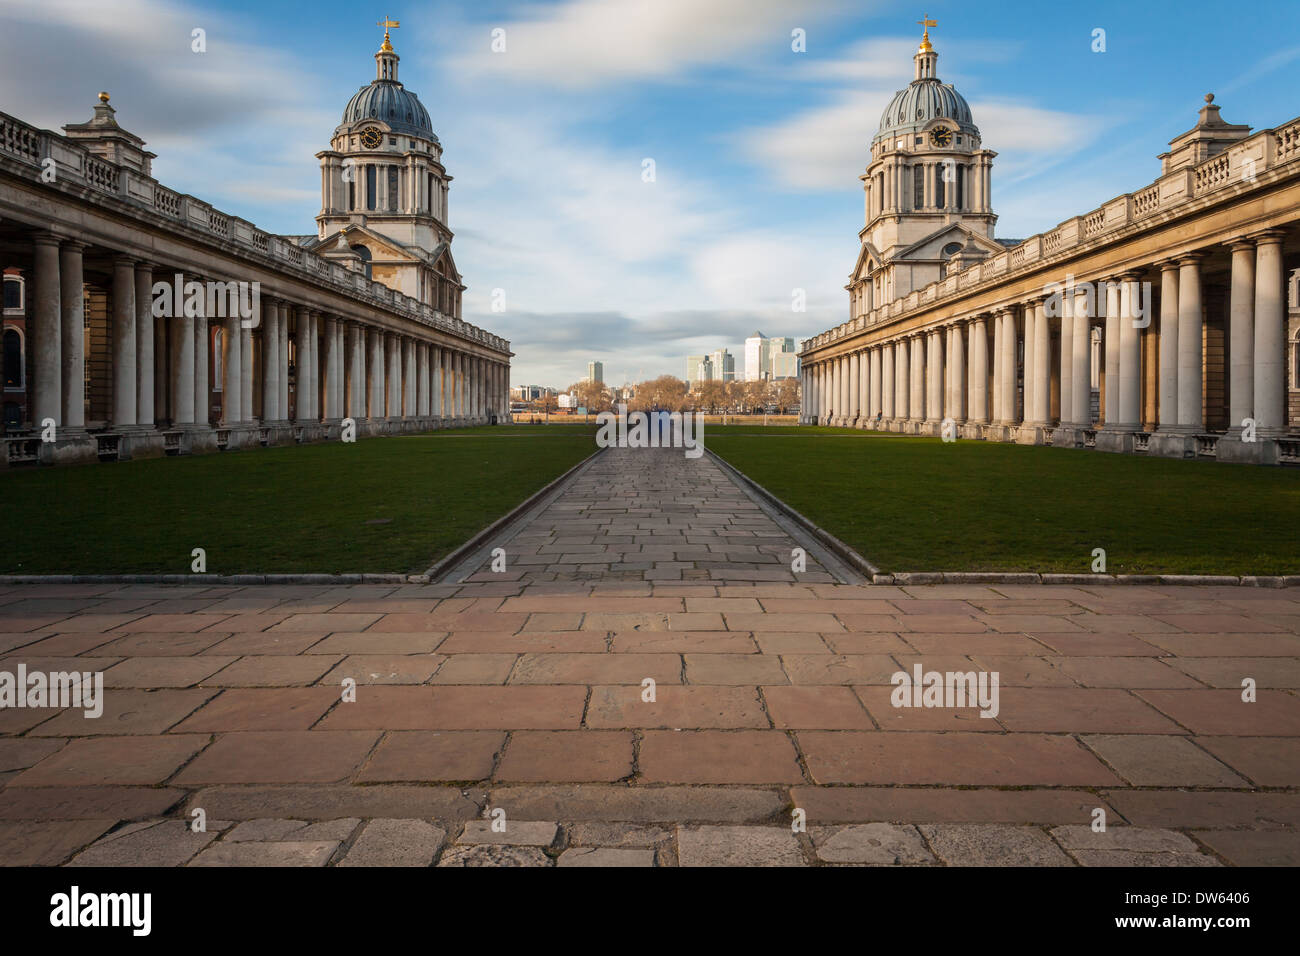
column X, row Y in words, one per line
column 364, row 253
column 13, row 359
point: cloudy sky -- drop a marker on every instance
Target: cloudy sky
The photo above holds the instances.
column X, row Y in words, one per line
column 756, row 148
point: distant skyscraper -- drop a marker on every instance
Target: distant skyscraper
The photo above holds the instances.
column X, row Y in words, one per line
column 693, row 365
column 596, row 372
column 784, row 361
column 724, row 365
column 758, row 363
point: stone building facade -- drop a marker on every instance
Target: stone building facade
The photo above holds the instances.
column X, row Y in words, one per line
column 131, row 327
column 1165, row 322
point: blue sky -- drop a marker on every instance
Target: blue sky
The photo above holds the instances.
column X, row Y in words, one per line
column 757, row 149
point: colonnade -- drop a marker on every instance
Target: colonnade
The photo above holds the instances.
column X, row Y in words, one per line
column 1025, row 370
column 290, row 364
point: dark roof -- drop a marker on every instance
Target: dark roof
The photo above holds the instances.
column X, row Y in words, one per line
column 390, row 102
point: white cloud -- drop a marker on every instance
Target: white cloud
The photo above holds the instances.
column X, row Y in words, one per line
column 585, row 43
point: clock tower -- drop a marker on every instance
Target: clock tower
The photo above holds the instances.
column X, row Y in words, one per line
column 926, row 189
column 384, row 191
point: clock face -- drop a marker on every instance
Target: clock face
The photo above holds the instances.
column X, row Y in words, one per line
column 371, row 138
column 941, row 136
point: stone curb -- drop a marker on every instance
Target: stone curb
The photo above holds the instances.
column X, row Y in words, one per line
column 455, row 557
column 211, row 579
column 993, row 577
column 840, row 549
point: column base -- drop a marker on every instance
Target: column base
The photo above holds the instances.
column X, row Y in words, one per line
column 1230, row 448
column 1068, row 436
column 1031, row 433
column 1118, row 439
column 972, row 431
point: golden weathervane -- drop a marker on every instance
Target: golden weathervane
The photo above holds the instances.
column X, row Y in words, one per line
column 926, row 22
column 387, row 24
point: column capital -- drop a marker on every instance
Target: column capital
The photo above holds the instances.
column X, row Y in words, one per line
column 1188, row 258
column 1267, row 237
column 72, row 245
column 1167, row 265
column 123, row 259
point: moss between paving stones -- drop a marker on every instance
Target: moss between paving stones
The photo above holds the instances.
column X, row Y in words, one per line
column 309, row 508
column 920, row 504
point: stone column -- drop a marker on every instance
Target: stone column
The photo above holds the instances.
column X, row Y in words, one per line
column 183, row 391
column 1190, row 417
column 902, row 380
column 1270, row 336
column 436, row 383
column 302, row 362
column 232, row 393
column 316, row 370
column 1241, row 335
column 877, row 383
column 375, row 338
column 282, row 360
column 1081, row 361
column 45, row 349
column 1066, row 309
column 1110, row 386
column 934, row 376
column 271, row 362
column 202, row 379
column 330, row 368
column 995, row 399
column 422, row 379
column 1130, row 356
column 833, row 407
column 1042, row 365
column 853, row 408
column 394, row 376
column 977, row 388
column 885, row 391
column 144, row 344
column 72, row 328
column 1168, row 406
column 246, row 372
column 349, row 327
column 957, row 364
column 124, row 360
column 916, row 389
column 1009, row 350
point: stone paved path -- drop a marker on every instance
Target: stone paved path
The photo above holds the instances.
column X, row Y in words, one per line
column 525, row 693
column 511, row 696
column 653, row 515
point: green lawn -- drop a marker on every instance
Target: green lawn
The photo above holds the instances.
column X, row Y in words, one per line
column 918, row 504
column 377, row 505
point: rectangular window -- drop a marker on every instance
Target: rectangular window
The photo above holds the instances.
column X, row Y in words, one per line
column 371, row 186
column 918, row 187
column 938, row 185
column 393, row 188
column 961, row 182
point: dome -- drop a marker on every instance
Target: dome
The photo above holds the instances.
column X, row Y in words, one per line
column 923, row 101
column 391, row 103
